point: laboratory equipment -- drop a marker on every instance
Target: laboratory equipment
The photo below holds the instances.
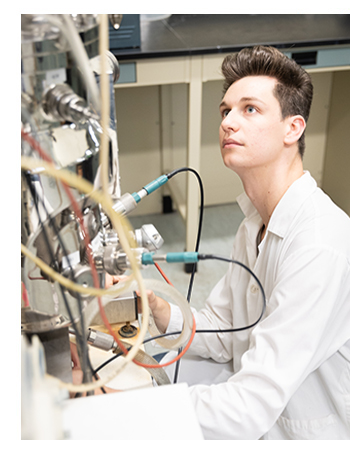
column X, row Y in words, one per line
column 75, row 236
column 74, row 233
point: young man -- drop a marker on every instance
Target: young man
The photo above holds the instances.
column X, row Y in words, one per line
column 291, row 372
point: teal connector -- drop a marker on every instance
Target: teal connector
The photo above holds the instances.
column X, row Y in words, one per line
column 136, row 196
column 155, row 184
column 147, row 258
column 149, row 188
column 181, row 257
column 184, row 257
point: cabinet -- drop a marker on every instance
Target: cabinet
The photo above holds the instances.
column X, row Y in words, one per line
column 168, row 117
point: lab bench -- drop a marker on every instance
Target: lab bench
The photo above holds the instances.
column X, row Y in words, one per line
column 169, row 90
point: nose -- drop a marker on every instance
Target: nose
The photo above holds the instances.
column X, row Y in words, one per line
column 229, row 122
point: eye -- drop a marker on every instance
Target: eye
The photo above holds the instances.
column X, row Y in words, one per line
column 224, row 113
column 250, row 109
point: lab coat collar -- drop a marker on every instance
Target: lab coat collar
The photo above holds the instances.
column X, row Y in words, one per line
column 287, row 207
column 246, row 206
column 290, row 204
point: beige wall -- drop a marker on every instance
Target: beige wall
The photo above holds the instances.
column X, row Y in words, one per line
column 336, row 177
column 145, row 153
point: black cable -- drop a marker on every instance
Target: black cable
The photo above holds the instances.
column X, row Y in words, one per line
column 227, row 330
column 229, row 260
column 200, row 257
column 199, row 232
column 101, row 366
column 81, row 339
column 201, row 208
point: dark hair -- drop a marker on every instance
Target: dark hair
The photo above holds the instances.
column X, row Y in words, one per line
column 294, row 88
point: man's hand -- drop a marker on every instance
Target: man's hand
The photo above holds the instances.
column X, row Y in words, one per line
column 159, row 307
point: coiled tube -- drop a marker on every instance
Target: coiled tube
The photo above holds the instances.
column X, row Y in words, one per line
column 168, row 290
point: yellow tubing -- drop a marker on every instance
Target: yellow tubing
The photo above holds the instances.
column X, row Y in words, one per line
column 105, row 103
column 69, row 284
column 83, row 185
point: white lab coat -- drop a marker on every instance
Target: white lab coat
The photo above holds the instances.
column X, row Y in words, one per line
column 292, row 371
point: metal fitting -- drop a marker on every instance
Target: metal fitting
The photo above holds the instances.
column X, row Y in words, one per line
column 60, row 102
column 148, row 236
column 101, row 340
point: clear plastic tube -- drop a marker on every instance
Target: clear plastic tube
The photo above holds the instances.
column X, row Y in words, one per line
column 112, row 292
column 166, row 290
column 169, row 291
column 84, row 186
column 68, row 29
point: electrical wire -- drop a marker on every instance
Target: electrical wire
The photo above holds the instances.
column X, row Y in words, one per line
column 201, row 206
column 221, row 258
column 36, row 146
column 83, row 185
column 153, row 365
column 199, row 232
column 163, row 274
column 72, row 180
column 27, row 163
column 181, row 351
column 87, row 188
column 25, row 295
column 104, row 171
column 81, row 339
column 202, row 257
column 216, row 331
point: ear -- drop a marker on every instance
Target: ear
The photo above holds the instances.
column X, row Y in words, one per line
column 295, row 128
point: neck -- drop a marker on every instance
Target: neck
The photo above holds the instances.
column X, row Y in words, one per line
column 266, row 186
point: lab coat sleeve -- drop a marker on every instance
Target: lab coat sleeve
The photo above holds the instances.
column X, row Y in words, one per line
column 307, row 321
column 216, row 315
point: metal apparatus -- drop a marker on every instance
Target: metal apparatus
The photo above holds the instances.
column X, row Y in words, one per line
column 73, row 231
column 60, row 115
column 61, row 122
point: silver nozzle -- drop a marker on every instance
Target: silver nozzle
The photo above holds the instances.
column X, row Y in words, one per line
column 60, row 102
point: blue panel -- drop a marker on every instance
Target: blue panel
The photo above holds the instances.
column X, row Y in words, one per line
column 128, row 34
column 331, row 57
column 127, row 73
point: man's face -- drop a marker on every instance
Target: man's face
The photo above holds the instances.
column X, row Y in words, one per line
column 252, row 130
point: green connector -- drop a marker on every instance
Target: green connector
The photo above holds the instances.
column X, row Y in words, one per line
column 147, row 258
column 182, row 257
column 155, row 184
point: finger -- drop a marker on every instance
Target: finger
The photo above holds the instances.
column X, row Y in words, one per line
column 151, row 297
column 110, row 280
column 77, row 376
column 150, row 294
column 74, row 355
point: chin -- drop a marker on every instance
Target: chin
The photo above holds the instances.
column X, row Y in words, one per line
column 230, row 161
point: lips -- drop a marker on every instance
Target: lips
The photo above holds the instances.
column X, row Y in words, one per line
column 227, row 143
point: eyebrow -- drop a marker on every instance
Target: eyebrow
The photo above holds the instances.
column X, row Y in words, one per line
column 243, row 100
column 249, row 99
column 223, row 103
